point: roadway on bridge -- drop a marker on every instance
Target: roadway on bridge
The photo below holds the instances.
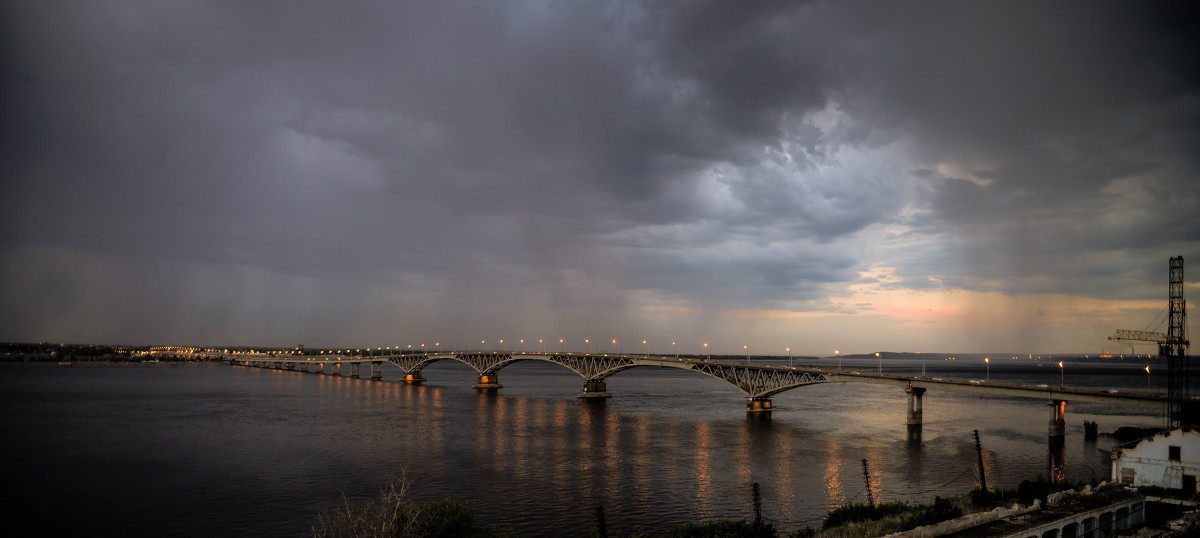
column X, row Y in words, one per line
column 832, row 375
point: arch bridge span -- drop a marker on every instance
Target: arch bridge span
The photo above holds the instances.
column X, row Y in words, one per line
column 758, row 382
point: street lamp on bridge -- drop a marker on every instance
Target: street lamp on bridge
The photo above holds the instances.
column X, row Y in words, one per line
column 647, row 347
column 987, row 363
column 706, row 353
column 747, row 350
column 616, row 346
column 880, row 359
column 789, row 351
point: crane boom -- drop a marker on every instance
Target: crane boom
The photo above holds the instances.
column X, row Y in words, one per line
column 1140, row 336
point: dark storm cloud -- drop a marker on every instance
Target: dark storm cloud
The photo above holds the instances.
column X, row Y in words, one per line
column 724, row 154
column 1072, row 123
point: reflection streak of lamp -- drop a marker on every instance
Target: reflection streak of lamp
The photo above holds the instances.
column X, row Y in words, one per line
column 833, row 474
column 705, row 498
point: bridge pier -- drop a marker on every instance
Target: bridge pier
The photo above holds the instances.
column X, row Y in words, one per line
column 914, row 435
column 304, row 367
column 915, row 409
column 320, row 368
column 354, row 369
column 377, row 370
column 413, row 379
column 758, row 405
column 1058, row 423
column 291, row 366
column 487, row 382
column 594, row 390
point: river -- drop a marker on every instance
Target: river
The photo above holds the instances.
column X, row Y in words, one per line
column 214, row 449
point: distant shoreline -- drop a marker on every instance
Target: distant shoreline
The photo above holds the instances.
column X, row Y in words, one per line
column 108, row 362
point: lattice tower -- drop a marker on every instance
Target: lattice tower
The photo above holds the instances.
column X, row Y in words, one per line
column 1176, row 345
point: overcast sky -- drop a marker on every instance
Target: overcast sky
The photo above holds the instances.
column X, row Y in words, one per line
column 906, row 176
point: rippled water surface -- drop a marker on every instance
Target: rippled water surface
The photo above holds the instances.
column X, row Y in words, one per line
column 221, row 450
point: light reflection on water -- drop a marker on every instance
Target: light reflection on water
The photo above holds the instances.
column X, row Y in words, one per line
column 233, row 450
column 833, row 474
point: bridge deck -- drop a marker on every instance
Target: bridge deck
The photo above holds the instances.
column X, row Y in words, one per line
column 1047, row 392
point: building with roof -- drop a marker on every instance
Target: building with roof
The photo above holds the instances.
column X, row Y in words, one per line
column 1170, row 459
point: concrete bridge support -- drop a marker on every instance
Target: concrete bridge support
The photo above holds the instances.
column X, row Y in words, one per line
column 488, row 382
column 377, row 370
column 291, row 366
column 915, row 409
column 354, row 370
column 1058, row 423
column 320, row 368
column 304, row 367
column 758, row 405
column 413, row 378
column 594, row 390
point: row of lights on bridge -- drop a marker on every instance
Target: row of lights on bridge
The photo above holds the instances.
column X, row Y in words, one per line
column 483, row 344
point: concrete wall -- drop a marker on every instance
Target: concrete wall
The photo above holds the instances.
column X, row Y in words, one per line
column 1102, row 522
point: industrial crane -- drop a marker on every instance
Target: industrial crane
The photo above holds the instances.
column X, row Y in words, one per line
column 1173, row 345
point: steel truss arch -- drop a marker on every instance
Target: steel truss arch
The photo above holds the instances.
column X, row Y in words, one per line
column 759, row 382
column 755, row 381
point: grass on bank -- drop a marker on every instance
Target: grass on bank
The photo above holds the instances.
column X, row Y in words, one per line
column 393, row 515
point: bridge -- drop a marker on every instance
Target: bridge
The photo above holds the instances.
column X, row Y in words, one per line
column 758, row 382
